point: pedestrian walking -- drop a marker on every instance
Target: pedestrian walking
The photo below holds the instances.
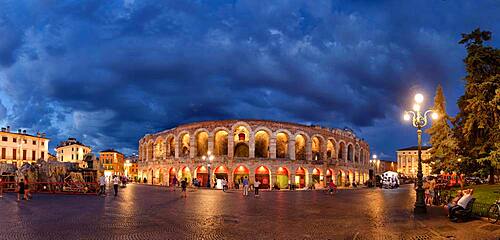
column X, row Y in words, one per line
column 184, row 186
column 27, row 194
column 332, row 188
column 224, row 185
column 245, row 186
column 116, row 182
column 20, row 189
column 173, row 184
column 256, row 185
column 102, row 185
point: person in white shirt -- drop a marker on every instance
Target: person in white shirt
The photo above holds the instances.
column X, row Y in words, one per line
column 116, row 182
column 256, row 185
column 462, row 203
column 102, row 185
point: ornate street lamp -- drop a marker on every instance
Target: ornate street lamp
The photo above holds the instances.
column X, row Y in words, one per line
column 209, row 158
column 419, row 120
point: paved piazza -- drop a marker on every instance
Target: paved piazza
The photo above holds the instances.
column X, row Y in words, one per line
column 149, row 212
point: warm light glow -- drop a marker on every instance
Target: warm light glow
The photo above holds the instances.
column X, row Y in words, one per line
column 419, row 98
column 406, row 117
column 416, row 107
column 209, row 153
column 241, row 168
column 459, row 159
column 434, row 115
column 374, row 156
column 204, row 158
column 315, row 171
column 211, row 158
column 280, row 169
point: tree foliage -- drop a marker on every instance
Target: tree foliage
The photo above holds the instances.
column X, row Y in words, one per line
column 444, row 145
column 478, row 122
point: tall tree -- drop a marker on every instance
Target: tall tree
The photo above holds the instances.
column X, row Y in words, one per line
column 444, row 145
column 478, row 121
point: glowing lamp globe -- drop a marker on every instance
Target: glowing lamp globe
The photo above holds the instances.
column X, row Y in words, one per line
column 406, row 117
column 416, row 107
column 434, row 116
column 419, row 98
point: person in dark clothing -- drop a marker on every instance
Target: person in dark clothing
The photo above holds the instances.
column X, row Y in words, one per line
column 184, row 186
column 20, row 190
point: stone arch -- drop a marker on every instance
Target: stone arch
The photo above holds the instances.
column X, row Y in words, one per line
column 283, row 138
column 317, row 177
column 350, row 152
column 184, row 143
column 221, row 141
column 201, row 141
column 170, row 145
column 330, row 148
column 282, row 177
column 263, row 174
column 341, row 152
column 317, row 142
column 301, row 177
column 241, row 123
column 301, row 140
column 159, row 147
column 150, row 150
column 241, row 135
column 262, row 142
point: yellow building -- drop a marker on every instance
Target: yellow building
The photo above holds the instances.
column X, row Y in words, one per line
column 73, row 151
column 18, row 148
column 131, row 167
column 408, row 161
column 112, row 162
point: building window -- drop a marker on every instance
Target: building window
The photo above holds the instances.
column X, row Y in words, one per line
column 24, row 154
column 72, row 149
column 43, row 155
column 25, row 141
column 3, row 153
column 14, row 139
column 43, row 143
column 77, row 156
column 34, row 142
column 5, row 139
column 14, row 154
column 33, row 155
column 72, row 157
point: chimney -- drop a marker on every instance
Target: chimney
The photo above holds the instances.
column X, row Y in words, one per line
column 24, row 131
column 43, row 134
column 19, row 130
column 8, row 128
column 38, row 134
column 3, row 129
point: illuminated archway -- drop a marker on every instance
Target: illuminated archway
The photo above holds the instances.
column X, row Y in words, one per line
column 316, row 149
column 330, row 149
column 330, row 175
column 220, row 143
column 172, row 173
column 171, row 146
column 184, row 147
column 282, row 177
column 341, row 155
column 202, row 175
column 317, row 178
column 301, row 177
column 263, row 174
column 281, row 145
column 341, row 178
column 221, row 172
column 184, row 173
column 201, row 143
column 240, row 173
column 261, row 144
column 300, row 147
column 350, row 153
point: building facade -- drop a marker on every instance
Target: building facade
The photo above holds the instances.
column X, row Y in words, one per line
column 112, row 162
column 132, row 167
column 408, row 161
column 73, row 151
column 19, row 147
column 276, row 153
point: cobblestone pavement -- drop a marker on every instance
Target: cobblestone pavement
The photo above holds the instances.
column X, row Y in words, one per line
column 147, row 212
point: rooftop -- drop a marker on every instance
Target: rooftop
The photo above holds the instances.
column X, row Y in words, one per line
column 110, row 150
column 69, row 142
column 23, row 133
column 413, row 148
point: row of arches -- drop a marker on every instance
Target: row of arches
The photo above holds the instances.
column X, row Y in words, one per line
column 278, row 178
column 242, row 142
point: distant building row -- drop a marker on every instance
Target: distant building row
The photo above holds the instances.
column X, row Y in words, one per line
column 20, row 147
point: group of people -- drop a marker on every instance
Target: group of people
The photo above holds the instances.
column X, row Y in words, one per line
column 22, row 189
column 116, row 180
column 460, row 202
column 430, row 190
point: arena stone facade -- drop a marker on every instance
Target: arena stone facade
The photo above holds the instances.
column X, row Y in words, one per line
column 277, row 153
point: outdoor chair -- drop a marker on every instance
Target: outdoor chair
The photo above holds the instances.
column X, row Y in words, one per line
column 463, row 215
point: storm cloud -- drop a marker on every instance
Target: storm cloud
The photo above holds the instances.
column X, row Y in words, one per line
column 108, row 72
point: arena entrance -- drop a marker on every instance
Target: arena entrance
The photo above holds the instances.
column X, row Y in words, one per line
column 239, row 174
column 340, row 178
column 220, row 173
column 282, row 178
column 171, row 174
column 317, row 180
column 185, row 172
column 262, row 174
column 202, row 176
column 329, row 176
column 300, row 177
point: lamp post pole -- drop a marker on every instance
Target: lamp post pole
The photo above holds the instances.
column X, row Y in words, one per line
column 209, row 157
column 419, row 120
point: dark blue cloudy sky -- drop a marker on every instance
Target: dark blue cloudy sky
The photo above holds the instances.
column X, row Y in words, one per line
column 108, row 72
